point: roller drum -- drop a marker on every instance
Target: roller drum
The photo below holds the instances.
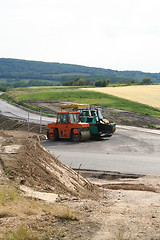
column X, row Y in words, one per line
column 85, row 135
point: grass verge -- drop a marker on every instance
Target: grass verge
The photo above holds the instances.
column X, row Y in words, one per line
column 80, row 96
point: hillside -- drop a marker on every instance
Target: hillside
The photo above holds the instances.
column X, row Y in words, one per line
column 15, row 70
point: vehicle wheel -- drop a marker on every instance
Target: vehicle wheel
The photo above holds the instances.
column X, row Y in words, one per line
column 76, row 137
column 98, row 138
column 56, row 135
column 47, row 133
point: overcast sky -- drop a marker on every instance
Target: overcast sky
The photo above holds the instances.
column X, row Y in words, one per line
column 115, row 34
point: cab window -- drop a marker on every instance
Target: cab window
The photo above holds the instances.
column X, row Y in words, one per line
column 86, row 113
column 100, row 114
column 93, row 113
column 74, row 117
column 63, row 118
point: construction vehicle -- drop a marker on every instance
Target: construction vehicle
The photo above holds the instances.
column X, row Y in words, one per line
column 99, row 127
column 68, row 126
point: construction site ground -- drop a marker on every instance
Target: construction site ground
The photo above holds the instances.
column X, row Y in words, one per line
column 120, row 117
column 72, row 205
column 68, row 205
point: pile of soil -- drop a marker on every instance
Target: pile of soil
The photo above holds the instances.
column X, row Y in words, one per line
column 7, row 123
column 120, row 117
column 22, row 156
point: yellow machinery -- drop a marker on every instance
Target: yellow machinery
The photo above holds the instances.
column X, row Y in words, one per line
column 76, row 106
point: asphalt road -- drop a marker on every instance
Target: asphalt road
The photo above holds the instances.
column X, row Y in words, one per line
column 129, row 150
column 18, row 113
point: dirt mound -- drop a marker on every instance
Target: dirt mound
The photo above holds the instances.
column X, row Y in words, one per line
column 22, row 156
column 13, row 124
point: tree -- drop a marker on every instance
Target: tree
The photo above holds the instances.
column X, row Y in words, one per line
column 146, row 81
column 102, row 83
column 77, row 82
column 68, row 83
column 20, row 84
column 81, row 82
column 131, row 82
column 3, row 89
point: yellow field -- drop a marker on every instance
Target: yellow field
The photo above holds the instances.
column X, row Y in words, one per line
column 149, row 94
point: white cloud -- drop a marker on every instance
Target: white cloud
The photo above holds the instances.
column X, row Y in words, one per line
column 122, row 35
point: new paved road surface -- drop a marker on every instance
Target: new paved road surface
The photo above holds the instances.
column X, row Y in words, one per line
column 18, row 113
column 129, row 150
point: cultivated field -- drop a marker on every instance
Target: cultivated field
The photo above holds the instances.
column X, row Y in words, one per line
column 149, row 95
column 88, row 95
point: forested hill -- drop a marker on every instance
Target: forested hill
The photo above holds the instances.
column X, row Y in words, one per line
column 18, row 70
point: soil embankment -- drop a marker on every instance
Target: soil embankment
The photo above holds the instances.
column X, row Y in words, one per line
column 12, row 124
column 21, row 154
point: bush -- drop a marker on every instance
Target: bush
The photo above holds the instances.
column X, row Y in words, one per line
column 146, row 81
column 102, row 83
column 3, row 89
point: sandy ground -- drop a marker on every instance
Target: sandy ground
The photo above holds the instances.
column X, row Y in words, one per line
column 119, row 208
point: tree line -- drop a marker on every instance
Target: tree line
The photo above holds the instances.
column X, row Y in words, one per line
column 76, row 82
column 104, row 83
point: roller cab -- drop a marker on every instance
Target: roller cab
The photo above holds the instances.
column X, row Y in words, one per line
column 68, row 126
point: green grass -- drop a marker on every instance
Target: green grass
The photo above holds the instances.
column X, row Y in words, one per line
column 44, row 88
column 150, row 125
column 6, row 97
column 75, row 94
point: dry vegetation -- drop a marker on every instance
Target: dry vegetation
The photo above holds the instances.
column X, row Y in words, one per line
column 149, row 95
column 21, row 217
column 83, row 209
column 28, row 171
column 133, row 213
